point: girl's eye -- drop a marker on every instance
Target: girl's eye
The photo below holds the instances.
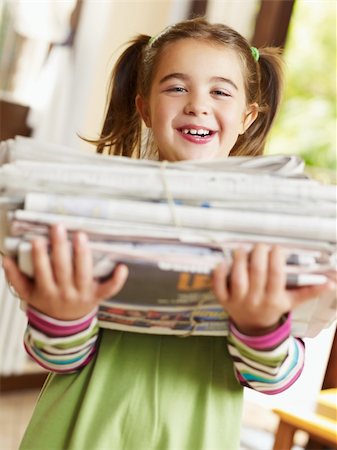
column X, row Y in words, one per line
column 221, row 93
column 176, row 89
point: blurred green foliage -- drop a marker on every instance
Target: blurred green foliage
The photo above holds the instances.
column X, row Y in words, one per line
column 306, row 124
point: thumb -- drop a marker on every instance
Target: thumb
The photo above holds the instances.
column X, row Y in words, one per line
column 112, row 286
column 306, row 293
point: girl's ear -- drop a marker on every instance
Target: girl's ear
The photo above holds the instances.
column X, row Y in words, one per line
column 250, row 116
column 143, row 109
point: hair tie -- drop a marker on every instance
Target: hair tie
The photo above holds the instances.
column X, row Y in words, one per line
column 255, row 53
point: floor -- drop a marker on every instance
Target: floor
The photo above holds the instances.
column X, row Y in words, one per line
column 15, row 411
column 16, row 408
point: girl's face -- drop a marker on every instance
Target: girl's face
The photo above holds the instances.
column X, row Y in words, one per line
column 197, row 105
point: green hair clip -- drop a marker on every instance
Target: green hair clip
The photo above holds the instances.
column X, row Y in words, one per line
column 255, row 53
column 157, row 36
column 151, row 40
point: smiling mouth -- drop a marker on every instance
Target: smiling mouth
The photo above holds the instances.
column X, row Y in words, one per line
column 199, row 133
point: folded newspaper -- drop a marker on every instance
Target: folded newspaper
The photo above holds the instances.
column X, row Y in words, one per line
column 171, row 223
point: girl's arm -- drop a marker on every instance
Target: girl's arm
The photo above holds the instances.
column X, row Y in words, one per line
column 266, row 357
column 62, row 300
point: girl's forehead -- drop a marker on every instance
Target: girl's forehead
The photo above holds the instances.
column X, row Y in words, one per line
column 203, row 46
column 196, row 55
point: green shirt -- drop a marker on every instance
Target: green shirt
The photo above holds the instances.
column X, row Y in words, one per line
column 142, row 392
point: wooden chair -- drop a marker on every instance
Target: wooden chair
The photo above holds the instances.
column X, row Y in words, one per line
column 321, row 424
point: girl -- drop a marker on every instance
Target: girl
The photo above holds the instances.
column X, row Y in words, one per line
column 203, row 93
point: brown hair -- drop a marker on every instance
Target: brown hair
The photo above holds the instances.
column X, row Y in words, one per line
column 134, row 71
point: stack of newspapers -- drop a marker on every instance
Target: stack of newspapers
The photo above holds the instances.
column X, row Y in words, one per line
column 171, row 223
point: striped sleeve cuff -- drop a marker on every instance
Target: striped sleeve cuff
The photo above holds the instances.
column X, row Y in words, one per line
column 55, row 327
column 266, row 341
column 269, row 363
column 61, row 346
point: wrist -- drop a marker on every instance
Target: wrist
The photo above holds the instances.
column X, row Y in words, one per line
column 268, row 339
column 256, row 331
column 253, row 330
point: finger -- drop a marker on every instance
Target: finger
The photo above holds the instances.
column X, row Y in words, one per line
column 83, row 264
column 258, row 269
column 43, row 273
column 111, row 287
column 239, row 278
column 21, row 283
column 220, row 277
column 276, row 271
column 61, row 256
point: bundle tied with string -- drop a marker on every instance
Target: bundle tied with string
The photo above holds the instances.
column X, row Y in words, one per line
column 171, row 223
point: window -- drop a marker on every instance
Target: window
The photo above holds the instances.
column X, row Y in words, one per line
column 306, row 124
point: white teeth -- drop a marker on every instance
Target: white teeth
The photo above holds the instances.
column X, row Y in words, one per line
column 193, row 131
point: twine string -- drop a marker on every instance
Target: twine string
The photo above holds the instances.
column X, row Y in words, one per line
column 177, row 223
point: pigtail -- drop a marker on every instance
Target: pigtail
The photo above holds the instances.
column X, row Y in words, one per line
column 121, row 132
column 269, row 70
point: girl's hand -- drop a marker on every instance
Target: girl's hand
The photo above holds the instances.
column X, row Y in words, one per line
column 256, row 296
column 63, row 286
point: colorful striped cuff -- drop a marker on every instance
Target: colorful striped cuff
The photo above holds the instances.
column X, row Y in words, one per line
column 54, row 327
column 269, row 340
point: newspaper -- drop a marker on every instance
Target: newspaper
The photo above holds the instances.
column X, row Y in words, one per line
column 171, row 223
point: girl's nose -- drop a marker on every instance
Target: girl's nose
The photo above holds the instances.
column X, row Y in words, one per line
column 196, row 106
